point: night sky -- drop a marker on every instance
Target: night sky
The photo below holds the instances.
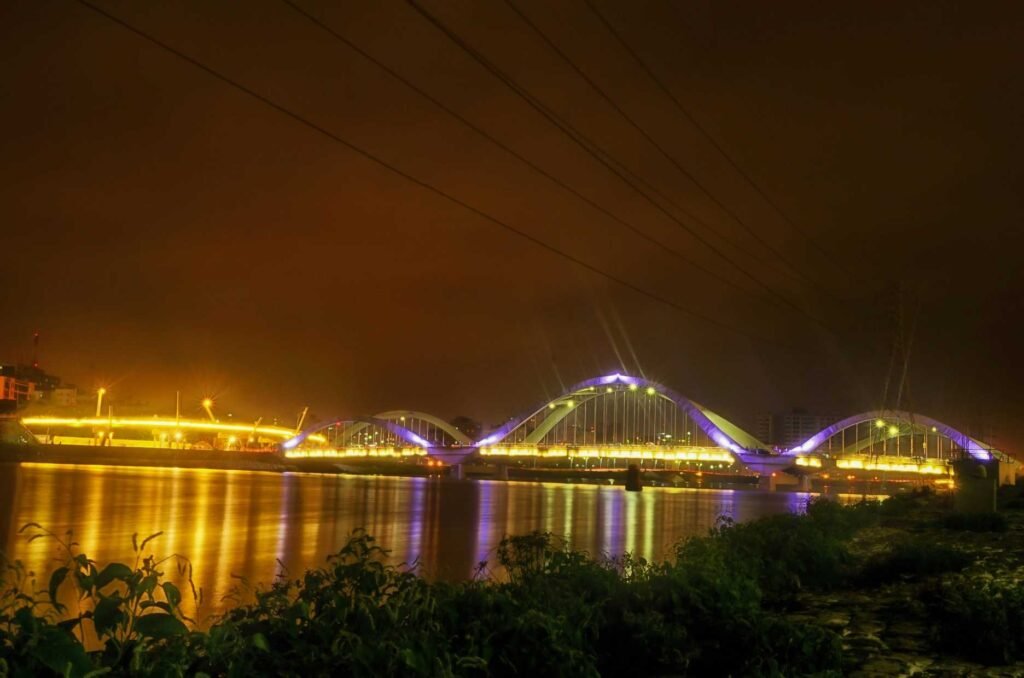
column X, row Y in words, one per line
column 163, row 230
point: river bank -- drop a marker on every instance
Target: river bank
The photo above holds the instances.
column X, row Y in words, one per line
column 93, row 455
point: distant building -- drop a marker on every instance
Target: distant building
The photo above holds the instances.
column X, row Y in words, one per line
column 20, row 384
column 64, row 396
column 788, row 430
column 44, row 382
column 16, row 390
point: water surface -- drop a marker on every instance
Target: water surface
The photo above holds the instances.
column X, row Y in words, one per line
column 243, row 524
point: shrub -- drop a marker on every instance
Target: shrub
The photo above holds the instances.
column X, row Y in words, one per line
column 912, row 559
column 133, row 613
column 907, row 504
column 975, row 522
column 560, row 612
column 983, row 620
column 785, row 554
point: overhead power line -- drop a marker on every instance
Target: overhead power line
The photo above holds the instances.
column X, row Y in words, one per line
column 424, row 184
column 708, row 136
column 654, row 142
column 500, row 144
column 601, row 156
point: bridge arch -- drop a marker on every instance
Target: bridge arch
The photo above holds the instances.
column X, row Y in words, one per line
column 880, row 426
column 437, row 422
column 532, row 427
column 415, row 428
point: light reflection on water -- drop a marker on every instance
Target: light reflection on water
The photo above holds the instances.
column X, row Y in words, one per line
column 233, row 524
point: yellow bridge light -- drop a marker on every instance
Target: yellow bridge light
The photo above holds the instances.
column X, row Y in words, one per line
column 879, row 423
column 178, row 425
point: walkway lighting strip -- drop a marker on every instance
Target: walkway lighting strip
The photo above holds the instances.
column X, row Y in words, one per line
column 812, row 462
column 860, row 464
column 358, row 452
column 638, row 452
column 158, row 422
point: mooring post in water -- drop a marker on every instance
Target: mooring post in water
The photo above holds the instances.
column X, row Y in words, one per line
column 634, row 483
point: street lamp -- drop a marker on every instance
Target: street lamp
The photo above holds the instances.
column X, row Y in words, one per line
column 99, row 400
column 208, row 406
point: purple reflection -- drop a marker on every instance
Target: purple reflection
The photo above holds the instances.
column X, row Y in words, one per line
column 484, row 523
column 611, row 509
column 416, row 513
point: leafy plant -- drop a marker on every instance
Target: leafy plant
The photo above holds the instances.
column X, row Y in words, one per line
column 131, row 612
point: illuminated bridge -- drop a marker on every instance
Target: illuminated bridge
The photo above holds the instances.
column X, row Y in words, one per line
column 396, row 433
column 890, row 441
column 616, row 420
column 604, row 422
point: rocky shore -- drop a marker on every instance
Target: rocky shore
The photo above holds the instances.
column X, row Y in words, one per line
column 892, row 626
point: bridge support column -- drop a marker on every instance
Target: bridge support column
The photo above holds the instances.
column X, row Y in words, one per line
column 634, row 481
column 766, row 482
column 501, row 472
column 456, row 471
column 976, row 484
column 805, row 484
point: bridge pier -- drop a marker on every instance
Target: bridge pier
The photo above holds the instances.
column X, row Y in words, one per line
column 805, row 483
column 767, row 482
column 976, row 484
column 501, row 472
column 634, row 481
column 456, row 471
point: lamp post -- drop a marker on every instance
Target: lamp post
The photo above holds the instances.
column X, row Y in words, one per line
column 99, row 400
column 208, row 406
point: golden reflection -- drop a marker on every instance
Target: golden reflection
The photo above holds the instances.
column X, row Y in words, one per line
column 239, row 523
column 648, row 508
column 631, row 520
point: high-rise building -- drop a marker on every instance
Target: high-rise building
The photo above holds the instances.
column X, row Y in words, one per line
column 793, row 428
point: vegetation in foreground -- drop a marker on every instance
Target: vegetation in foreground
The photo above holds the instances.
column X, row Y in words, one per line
column 726, row 604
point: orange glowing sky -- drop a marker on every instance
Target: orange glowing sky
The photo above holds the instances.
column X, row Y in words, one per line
column 164, row 231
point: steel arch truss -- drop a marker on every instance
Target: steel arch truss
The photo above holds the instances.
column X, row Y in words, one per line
column 894, row 432
column 538, row 424
column 417, row 429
